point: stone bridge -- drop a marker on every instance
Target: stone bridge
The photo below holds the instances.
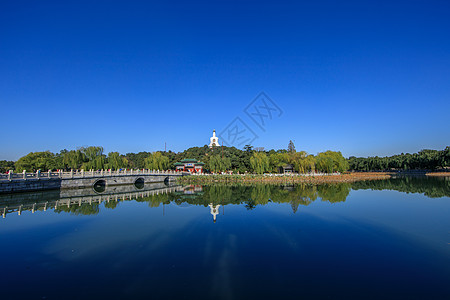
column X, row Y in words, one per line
column 99, row 180
column 41, row 201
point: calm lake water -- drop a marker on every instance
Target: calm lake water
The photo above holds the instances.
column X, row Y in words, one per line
column 386, row 239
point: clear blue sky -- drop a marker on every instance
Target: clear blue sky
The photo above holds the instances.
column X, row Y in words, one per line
column 363, row 78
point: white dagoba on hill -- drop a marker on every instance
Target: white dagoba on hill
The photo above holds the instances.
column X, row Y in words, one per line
column 214, row 140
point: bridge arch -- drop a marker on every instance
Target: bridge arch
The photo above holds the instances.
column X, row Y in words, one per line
column 99, row 186
column 167, row 180
column 139, row 183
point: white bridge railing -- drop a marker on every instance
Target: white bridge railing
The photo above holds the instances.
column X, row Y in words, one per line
column 19, row 208
column 82, row 174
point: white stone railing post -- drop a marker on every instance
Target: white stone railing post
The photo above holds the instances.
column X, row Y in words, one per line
column 38, row 174
column 49, row 174
column 131, row 171
column 60, row 173
column 24, row 174
column 10, row 173
column 82, row 173
column 101, row 173
column 71, row 173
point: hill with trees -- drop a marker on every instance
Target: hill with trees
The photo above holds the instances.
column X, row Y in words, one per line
column 220, row 159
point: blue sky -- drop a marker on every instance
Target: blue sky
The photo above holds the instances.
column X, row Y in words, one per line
column 366, row 78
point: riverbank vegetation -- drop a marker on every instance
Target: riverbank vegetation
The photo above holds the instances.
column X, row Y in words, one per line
column 272, row 179
column 423, row 160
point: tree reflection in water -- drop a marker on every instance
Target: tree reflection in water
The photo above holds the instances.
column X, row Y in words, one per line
column 249, row 195
column 254, row 195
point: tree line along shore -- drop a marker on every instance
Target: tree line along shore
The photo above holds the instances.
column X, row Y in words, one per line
column 230, row 159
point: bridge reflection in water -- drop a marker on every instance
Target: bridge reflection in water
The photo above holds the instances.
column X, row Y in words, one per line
column 60, row 200
column 213, row 198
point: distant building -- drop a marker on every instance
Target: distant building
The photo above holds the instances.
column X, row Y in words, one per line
column 214, row 141
column 189, row 165
column 286, row 169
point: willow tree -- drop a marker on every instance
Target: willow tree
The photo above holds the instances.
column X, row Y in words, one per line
column 34, row 161
column 116, row 161
column 331, row 161
column 73, row 159
column 94, row 158
column 277, row 160
column 298, row 159
column 259, row 162
column 156, row 161
column 218, row 164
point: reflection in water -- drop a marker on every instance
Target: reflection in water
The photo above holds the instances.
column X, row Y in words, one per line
column 82, row 201
column 87, row 202
column 214, row 211
column 433, row 187
column 371, row 248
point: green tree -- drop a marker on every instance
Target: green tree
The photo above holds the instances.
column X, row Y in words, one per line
column 218, row 164
column 310, row 162
column 156, row 161
column 248, row 148
column 73, row 159
column 277, row 160
column 116, row 161
column 5, row 166
column 136, row 160
column 291, row 147
column 34, row 161
column 259, row 162
column 423, row 160
column 299, row 160
column 331, row 161
column 96, row 160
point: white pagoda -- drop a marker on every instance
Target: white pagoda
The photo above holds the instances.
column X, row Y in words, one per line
column 214, row 141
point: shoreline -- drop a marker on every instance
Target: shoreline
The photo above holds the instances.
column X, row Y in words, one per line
column 342, row 178
column 438, row 174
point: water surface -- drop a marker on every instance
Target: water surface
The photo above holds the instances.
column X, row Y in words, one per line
column 384, row 239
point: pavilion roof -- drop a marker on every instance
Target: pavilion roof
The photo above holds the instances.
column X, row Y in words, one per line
column 189, row 160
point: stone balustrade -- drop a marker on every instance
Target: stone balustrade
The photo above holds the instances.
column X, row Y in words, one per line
column 73, row 174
